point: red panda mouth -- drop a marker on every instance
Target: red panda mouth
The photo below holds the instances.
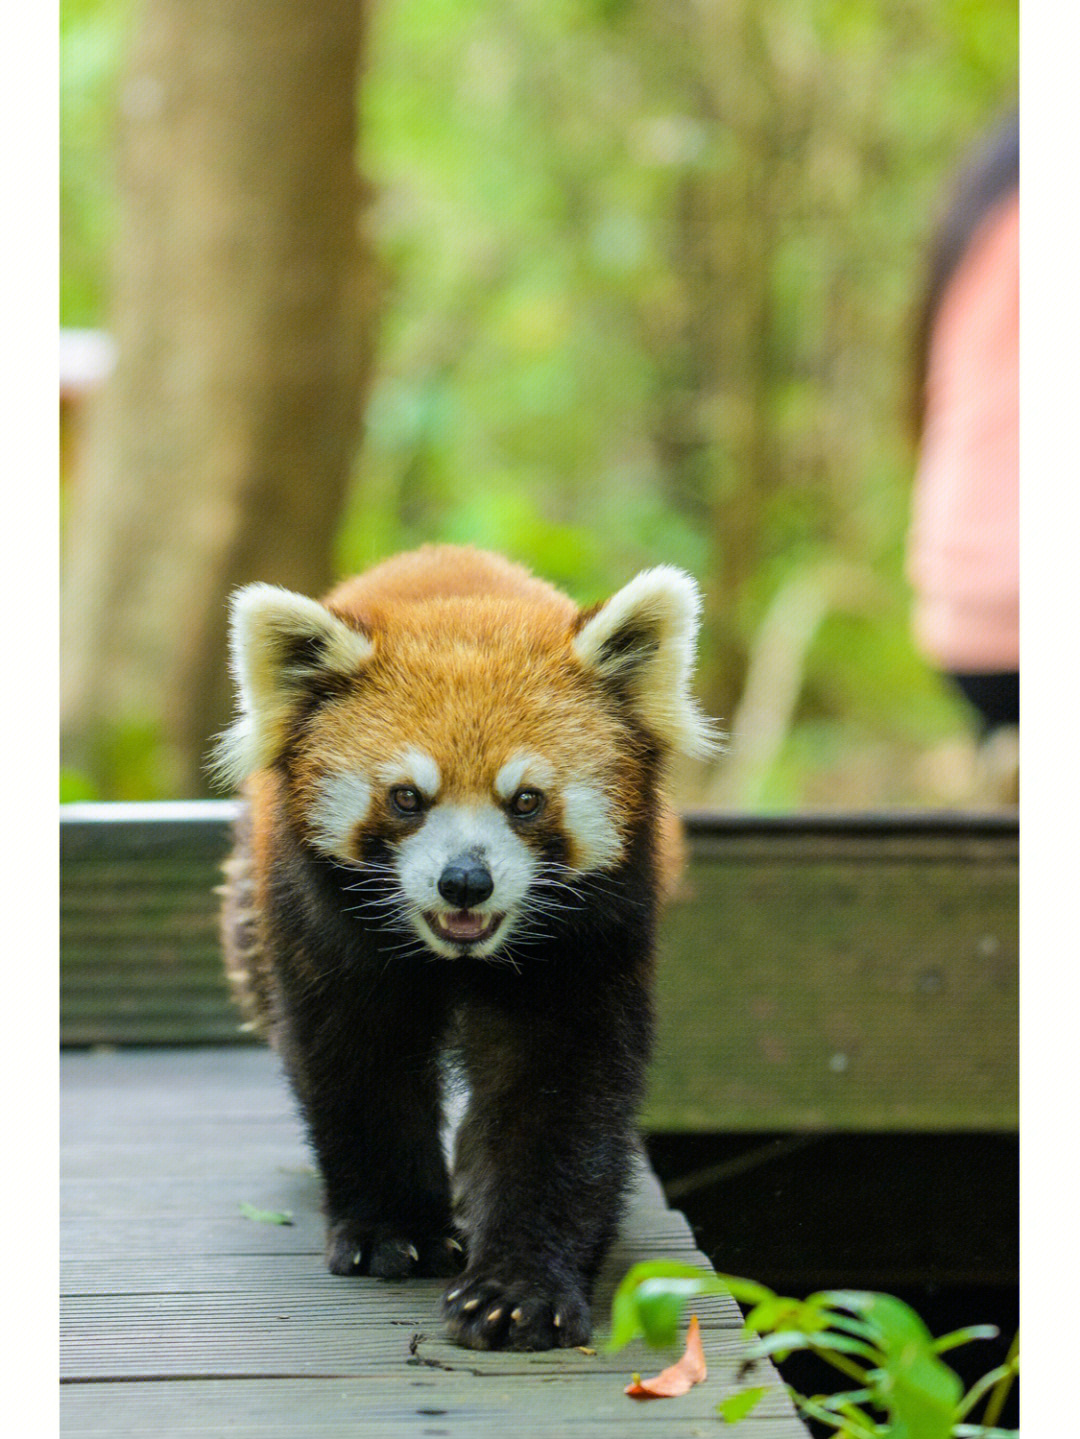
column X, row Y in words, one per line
column 464, row 926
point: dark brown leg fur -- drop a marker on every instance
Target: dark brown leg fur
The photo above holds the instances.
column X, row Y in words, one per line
column 543, row 1154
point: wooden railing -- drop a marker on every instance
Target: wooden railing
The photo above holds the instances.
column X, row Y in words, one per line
column 816, row 972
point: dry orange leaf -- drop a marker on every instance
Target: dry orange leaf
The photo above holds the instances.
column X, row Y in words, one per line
column 680, row 1377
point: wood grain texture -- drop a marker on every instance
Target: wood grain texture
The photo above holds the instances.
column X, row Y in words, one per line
column 181, row 1316
column 841, row 977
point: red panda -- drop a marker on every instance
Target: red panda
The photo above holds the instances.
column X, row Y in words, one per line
column 454, row 845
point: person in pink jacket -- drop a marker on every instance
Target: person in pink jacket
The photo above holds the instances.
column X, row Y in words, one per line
column 963, row 550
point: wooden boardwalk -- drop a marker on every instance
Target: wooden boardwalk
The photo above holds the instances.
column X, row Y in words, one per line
column 179, row 1316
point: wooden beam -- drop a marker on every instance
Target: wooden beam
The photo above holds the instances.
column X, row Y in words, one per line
column 841, row 973
column 816, row 972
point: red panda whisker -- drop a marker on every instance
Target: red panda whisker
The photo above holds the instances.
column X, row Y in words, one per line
column 575, row 882
column 413, row 944
column 546, row 904
column 377, row 908
column 364, row 868
column 503, row 957
column 552, row 897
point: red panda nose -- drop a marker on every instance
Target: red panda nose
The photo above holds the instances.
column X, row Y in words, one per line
column 465, row 882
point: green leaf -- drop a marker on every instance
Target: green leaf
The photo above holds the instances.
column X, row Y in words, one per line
column 660, row 1305
column 738, row 1406
column 980, row 1431
column 983, row 1386
column 846, row 1325
column 855, row 1424
column 996, row 1402
column 857, row 1301
column 964, row 1336
column 779, row 1312
column 746, row 1291
column 651, row 1298
column 844, row 1401
column 918, row 1390
column 627, row 1320
column 897, row 1322
column 787, row 1340
column 265, row 1216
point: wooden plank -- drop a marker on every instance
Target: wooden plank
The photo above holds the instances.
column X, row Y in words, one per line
column 846, row 976
column 446, row 1405
column 140, row 956
column 180, row 1316
column 816, row 972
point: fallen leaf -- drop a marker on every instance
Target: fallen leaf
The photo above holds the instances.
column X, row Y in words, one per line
column 680, row 1377
column 265, row 1216
column 738, row 1406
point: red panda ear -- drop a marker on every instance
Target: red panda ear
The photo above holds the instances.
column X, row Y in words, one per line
column 642, row 643
column 282, row 647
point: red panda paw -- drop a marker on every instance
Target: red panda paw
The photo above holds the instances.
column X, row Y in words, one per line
column 485, row 1312
column 355, row 1247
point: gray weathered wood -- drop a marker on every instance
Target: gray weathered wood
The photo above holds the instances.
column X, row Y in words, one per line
column 816, row 972
column 842, row 975
column 371, row 1409
column 181, row 1316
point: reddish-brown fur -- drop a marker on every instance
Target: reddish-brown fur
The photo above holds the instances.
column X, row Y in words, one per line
column 472, row 662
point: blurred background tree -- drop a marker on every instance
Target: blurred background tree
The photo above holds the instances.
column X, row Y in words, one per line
column 243, row 315
column 650, row 271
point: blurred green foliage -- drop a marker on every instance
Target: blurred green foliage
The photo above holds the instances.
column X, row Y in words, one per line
column 92, row 34
column 650, row 271
column 75, row 787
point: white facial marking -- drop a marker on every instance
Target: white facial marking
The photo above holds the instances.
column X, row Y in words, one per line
column 589, row 822
column 342, row 802
column 454, row 829
column 412, row 766
column 521, row 769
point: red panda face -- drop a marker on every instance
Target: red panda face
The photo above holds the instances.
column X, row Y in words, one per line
column 467, row 865
column 480, row 777
column 471, row 755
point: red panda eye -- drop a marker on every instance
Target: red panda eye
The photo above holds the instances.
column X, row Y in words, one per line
column 405, row 799
column 527, row 803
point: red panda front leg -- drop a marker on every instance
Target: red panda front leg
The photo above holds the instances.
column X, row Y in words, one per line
column 368, row 1081
column 542, row 1163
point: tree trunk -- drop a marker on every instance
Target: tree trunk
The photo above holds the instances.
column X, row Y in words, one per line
column 244, row 311
column 716, row 430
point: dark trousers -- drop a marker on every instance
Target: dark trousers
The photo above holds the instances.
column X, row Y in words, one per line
column 996, row 697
